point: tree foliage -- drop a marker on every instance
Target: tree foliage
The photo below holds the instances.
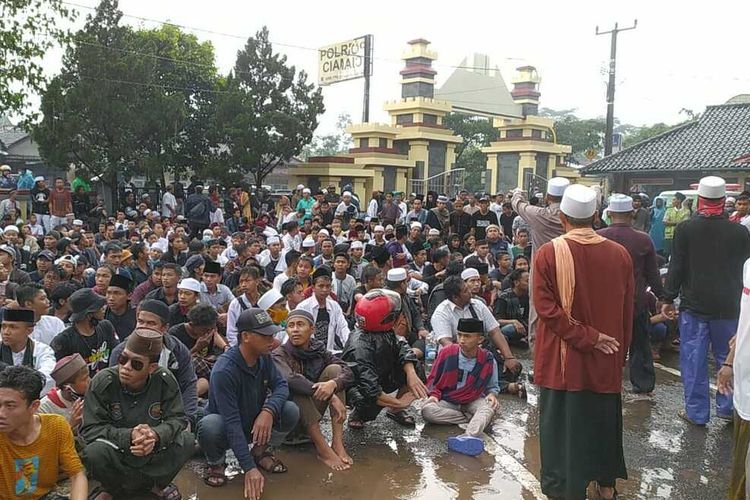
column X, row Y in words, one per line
column 268, row 112
column 130, row 101
column 331, row 144
column 477, row 132
column 581, row 134
column 28, row 29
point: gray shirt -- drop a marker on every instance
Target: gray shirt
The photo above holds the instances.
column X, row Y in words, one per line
column 544, row 221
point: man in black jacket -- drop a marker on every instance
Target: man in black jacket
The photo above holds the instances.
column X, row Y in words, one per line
column 708, row 254
column 198, row 209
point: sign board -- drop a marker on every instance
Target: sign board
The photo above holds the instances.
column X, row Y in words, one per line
column 342, row 61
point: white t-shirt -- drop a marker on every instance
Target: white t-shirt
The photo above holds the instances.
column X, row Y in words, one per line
column 168, row 199
column 444, row 320
column 742, row 350
column 46, row 329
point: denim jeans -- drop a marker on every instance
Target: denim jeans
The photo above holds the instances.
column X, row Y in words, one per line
column 212, row 436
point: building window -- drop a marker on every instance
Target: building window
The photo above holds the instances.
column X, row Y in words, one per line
column 404, row 119
column 514, row 133
column 536, row 134
column 382, row 143
column 364, row 142
column 429, row 119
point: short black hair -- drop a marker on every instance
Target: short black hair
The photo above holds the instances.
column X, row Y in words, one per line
column 251, row 271
column 202, row 315
column 23, row 379
column 370, row 272
column 289, row 286
column 452, row 286
column 516, row 274
column 291, row 256
column 26, row 293
column 62, row 292
column 454, row 268
column 439, row 254
column 112, row 247
column 575, row 222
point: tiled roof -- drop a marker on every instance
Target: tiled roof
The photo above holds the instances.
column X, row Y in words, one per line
column 10, row 137
column 720, row 139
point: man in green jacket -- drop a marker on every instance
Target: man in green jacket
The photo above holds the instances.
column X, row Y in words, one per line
column 134, row 423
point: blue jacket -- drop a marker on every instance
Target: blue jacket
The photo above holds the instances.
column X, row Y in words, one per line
column 239, row 392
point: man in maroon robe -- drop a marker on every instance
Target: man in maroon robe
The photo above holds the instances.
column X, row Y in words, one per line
column 583, row 292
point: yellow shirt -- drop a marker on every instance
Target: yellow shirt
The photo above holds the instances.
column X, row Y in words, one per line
column 32, row 471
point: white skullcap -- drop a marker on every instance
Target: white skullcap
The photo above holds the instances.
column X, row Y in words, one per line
column 269, row 298
column 357, row 244
column 379, row 228
column 65, row 258
column 208, row 232
column 712, row 187
column 731, row 199
column 324, row 231
column 38, row 178
column 11, row 228
column 416, row 224
column 300, row 186
column 78, row 222
column 346, row 193
column 396, row 274
column 269, row 231
column 190, row 284
column 469, row 273
column 557, row 185
column 156, row 214
column 620, row 203
column 442, row 199
column 308, row 243
column 273, row 240
column 578, row 202
column 433, row 232
column 324, row 191
column 306, row 191
column 389, row 227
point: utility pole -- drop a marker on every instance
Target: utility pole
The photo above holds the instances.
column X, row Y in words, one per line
column 368, row 74
column 611, row 84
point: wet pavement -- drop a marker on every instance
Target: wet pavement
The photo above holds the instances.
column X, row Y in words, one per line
column 666, row 458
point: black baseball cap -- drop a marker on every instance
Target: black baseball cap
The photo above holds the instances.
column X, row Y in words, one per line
column 258, row 321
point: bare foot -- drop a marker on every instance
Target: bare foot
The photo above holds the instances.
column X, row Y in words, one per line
column 333, row 461
column 342, row 454
column 606, row 492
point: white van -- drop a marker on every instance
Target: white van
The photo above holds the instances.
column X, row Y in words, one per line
column 668, row 196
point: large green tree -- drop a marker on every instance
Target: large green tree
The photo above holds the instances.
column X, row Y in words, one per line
column 28, row 29
column 477, row 132
column 130, row 101
column 267, row 113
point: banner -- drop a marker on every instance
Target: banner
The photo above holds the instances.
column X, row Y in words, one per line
column 342, row 61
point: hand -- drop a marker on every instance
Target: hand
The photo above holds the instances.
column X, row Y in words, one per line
column 405, row 401
column 432, row 399
column 202, row 342
column 262, row 428
column 143, row 448
column 519, row 327
column 511, row 365
column 725, row 380
column 492, row 401
column 76, row 414
column 254, row 482
column 668, row 310
column 338, row 410
column 607, row 344
column 416, row 386
column 324, row 390
column 222, row 319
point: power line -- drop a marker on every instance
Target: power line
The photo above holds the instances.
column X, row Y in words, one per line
column 293, row 46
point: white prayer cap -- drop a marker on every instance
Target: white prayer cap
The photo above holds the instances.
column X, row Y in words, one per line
column 64, row 258
column 145, row 213
column 156, row 214
column 442, row 199
column 300, row 186
column 308, row 243
column 416, row 224
column 731, row 199
column 469, row 273
column 712, row 187
column 78, row 222
column 433, row 232
column 5, row 167
column 11, row 228
column 306, row 191
column 38, row 178
column 396, row 274
column 208, row 232
column 357, row 244
column 379, row 228
column 346, row 193
column 367, row 218
column 557, row 185
column 190, row 284
column 273, row 240
column 578, row 202
column 269, row 298
column 324, row 231
column 160, row 245
column 389, row 227
column 324, row 191
column 620, row 203
column 269, row 231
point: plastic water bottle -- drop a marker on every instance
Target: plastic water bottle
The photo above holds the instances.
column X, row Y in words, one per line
column 431, row 349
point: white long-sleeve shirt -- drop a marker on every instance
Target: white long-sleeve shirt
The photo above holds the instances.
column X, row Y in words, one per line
column 337, row 325
column 44, row 363
column 234, row 311
column 372, row 208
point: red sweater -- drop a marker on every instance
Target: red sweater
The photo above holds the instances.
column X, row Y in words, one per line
column 602, row 302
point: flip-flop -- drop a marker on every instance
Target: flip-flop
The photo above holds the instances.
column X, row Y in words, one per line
column 276, row 467
column 169, row 493
column 402, row 418
column 466, row 445
column 219, row 479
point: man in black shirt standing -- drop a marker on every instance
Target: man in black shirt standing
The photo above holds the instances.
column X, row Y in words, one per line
column 460, row 221
column 483, row 218
column 40, row 203
column 506, row 220
column 119, row 312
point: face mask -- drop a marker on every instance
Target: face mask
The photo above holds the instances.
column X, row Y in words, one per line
column 278, row 315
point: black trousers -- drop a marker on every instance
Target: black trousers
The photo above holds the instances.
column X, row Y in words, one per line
column 640, row 359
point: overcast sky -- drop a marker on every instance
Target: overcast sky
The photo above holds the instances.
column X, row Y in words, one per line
column 682, row 55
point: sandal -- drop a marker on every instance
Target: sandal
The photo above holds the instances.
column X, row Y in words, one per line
column 169, row 493
column 355, row 422
column 97, row 493
column 402, row 418
column 215, row 479
column 277, row 466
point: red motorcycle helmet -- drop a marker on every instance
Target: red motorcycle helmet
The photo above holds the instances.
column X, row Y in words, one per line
column 377, row 310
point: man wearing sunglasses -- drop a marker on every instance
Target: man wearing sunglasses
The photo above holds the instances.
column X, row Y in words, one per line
column 135, row 424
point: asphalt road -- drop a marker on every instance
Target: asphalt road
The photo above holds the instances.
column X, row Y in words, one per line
column 666, row 458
